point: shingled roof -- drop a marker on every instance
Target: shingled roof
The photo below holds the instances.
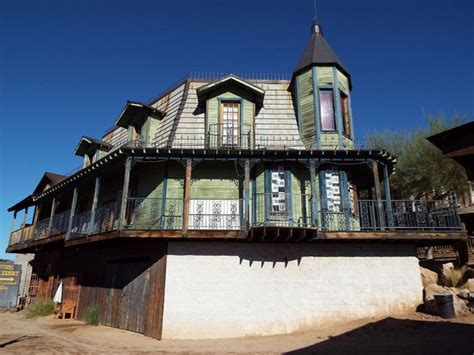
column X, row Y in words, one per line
column 318, row 52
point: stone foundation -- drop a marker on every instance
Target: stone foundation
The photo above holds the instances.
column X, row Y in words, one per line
column 219, row 290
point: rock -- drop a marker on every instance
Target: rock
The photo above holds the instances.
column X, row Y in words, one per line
column 428, row 277
column 430, row 302
column 463, row 294
column 470, row 285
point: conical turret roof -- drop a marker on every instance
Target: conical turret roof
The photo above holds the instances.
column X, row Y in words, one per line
column 318, row 52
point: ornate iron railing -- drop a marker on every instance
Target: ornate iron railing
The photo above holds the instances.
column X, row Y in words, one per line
column 216, row 214
column 154, row 213
column 281, row 209
column 106, row 217
column 41, row 229
column 366, row 215
column 60, row 223
column 80, row 224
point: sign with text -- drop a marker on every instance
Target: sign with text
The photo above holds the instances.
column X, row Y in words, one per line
column 9, row 283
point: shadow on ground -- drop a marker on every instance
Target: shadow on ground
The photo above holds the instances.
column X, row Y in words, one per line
column 396, row 336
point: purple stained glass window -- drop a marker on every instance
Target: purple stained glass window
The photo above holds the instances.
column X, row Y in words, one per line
column 327, row 110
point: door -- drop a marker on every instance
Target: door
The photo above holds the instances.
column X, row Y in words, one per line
column 230, row 122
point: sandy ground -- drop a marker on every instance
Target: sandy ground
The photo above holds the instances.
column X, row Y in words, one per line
column 408, row 334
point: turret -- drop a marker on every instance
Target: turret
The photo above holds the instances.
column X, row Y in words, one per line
column 321, row 87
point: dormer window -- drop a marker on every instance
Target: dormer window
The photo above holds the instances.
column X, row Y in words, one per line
column 328, row 122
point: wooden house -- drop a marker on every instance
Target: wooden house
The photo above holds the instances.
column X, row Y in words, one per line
column 232, row 205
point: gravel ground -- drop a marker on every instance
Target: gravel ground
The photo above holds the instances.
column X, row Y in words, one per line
column 408, row 334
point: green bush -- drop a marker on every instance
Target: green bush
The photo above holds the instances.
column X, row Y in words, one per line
column 92, row 315
column 40, row 308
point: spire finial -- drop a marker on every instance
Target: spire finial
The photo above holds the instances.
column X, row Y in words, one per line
column 315, row 18
column 316, row 29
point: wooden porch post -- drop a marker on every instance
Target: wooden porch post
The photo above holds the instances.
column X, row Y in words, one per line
column 126, row 186
column 314, row 192
column 378, row 195
column 51, row 216
column 187, row 194
column 346, row 208
column 23, row 223
column 94, row 204
column 72, row 212
column 388, row 196
column 247, row 194
column 12, row 227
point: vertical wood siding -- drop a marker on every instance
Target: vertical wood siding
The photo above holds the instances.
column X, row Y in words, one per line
column 306, row 109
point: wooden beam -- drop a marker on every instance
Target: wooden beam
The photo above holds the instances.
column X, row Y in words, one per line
column 388, row 196
column 378, row 194
column 12, row 227
column 314, row 192
column 247, row 194
column 126, row 186
column 72, row 212
column 187, row 194
column 94, row 204
column 51, row 216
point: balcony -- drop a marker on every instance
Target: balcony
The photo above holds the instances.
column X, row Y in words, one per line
column 287, row 211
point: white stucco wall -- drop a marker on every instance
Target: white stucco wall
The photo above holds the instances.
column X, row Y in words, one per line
column 216, row 290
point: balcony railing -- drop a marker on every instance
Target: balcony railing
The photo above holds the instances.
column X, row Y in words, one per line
column 366, row 215
column 265, row 210
column 281, row 209
column 216, row 214
column 154, row 213
column 226, row 136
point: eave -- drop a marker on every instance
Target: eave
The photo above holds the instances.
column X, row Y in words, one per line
column 135, row 113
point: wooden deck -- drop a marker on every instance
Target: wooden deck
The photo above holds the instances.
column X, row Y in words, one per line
column 290, row 234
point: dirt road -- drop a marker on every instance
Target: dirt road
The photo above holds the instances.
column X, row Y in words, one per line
column 409, row 334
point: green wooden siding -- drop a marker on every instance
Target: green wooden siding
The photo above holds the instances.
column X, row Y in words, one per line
column 214, row 180
column 306, row 109
column 343, row 82
column 325, row 76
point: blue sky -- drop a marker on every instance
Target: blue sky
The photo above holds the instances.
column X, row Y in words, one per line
column 68, row 67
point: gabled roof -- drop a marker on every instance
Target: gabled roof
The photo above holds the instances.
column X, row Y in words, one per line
column 318, row 52
column 135, row 113
column 48, row 179
column 204, row 91
column 86, row 142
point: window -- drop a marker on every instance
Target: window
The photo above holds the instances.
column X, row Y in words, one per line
column 333, row 191
column 327, row 110
column 230, row 123
column 278, row 186
column 345, row 114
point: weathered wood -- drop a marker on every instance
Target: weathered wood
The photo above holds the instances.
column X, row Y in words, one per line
column 126, row 185
column 314, row 190
column 378, row 194
column 12, row 227
column 393, row 235
column 247, row 194
column 72, row 212
column 23, row 223
column 94, row 204
column 388, row 196
column 187, row 194
column 51, row 216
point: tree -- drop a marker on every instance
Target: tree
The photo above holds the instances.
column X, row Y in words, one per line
column 421, row 167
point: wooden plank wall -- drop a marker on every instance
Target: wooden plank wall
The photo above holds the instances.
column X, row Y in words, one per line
column 125, row 282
